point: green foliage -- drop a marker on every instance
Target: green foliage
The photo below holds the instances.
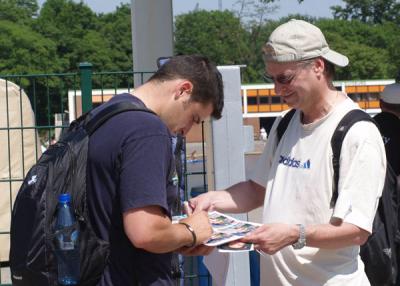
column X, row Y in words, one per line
column 369, row 11
column 116, row 29
column 68, row 24
column 218, row 35
column 18, row 11
column 367, row 47
column 65, row 33
column 24, row 51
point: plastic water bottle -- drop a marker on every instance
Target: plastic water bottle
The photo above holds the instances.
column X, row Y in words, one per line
column 67, row 245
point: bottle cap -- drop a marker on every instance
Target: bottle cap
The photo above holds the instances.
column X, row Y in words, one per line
column 64, row 198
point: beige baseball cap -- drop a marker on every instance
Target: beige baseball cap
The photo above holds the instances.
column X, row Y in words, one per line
column 391, row 94
column 299, row 40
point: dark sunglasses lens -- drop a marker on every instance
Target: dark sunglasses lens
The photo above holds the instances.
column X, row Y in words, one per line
column 284, row 79
column 267, row 78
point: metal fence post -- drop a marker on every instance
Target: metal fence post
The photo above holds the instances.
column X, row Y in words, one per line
column 85, row 72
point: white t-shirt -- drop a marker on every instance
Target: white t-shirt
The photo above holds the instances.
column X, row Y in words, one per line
column 298, row 176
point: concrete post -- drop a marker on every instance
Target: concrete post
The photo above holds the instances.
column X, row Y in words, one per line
column 151, row 35
column 228, row 146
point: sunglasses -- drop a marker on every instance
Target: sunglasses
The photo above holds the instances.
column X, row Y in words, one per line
column 281, row 79
column 285, row 79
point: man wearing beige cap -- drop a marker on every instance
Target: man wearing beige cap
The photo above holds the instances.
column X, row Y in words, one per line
column 389, row 124
column 304, row 241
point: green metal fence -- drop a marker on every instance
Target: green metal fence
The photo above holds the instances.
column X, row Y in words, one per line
column 34, row 109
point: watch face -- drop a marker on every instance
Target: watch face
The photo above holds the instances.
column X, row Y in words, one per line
column 299, row 244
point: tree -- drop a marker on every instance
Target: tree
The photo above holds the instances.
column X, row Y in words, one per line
column 218, row 35
column 24, row 51
column 252, row 12
column 115, row 27
column 66, row 23
column 365, row 45
column 369, row 11
column 18, row 11
column 30, row 6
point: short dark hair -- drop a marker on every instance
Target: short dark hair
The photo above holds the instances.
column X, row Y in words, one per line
column 329, row 69
column 204, row 75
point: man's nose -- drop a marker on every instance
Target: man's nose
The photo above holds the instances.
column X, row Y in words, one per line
column 187, row 128
column 279, row 88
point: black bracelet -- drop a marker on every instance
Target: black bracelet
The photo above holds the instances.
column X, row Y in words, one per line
column 192, row 232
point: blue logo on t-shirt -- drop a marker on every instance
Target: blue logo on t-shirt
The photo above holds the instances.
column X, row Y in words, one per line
column 294, row 163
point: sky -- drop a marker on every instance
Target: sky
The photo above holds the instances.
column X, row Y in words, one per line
column 315, row 8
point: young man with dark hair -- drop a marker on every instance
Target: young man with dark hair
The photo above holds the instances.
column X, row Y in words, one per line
column 304, row 240
column 130, row 165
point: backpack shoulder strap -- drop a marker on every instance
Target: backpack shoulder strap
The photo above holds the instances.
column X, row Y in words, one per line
column 283, row 124
column 340, row 132
column 111, row 110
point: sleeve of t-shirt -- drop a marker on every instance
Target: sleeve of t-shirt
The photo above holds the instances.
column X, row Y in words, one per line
column 362, row 175
column 144, row 169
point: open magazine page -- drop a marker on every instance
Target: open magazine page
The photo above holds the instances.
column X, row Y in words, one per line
column 226, row 230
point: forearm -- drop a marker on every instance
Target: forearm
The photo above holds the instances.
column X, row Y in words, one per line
column 271, row 238
column 150, row 229
column 167, row 239
column 239, row 198
column 331, row 236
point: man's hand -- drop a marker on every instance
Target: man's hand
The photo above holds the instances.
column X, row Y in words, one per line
column 200, row 203
column 201, row 226
column 271, row 238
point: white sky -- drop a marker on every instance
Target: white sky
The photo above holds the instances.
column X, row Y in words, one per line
column 316, row 8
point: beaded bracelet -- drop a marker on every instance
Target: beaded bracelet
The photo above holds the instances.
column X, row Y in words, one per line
column 192, row 232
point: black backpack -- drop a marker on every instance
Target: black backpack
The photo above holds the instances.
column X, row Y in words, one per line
column 61, row 169
column 380, row 252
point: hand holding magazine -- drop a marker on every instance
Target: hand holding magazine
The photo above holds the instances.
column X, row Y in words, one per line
column 226, row 231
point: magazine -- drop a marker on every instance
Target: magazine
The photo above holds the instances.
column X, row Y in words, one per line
column 227, row 229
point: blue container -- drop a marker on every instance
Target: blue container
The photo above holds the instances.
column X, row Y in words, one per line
column 254, row 258
column 67, row 245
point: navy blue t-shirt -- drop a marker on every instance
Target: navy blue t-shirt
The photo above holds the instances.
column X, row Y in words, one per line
column 129, row 165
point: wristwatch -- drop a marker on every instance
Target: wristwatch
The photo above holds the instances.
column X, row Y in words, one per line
column 301, row 242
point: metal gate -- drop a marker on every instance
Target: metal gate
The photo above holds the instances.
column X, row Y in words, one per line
column 34, row 109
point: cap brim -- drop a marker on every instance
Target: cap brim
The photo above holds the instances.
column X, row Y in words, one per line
column 391, row 94
column 336, row 58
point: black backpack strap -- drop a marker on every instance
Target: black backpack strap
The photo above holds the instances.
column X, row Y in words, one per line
column 340, row 132
column 283, row 124
column 97, row 120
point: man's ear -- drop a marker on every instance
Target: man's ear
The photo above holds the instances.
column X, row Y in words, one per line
column 185, row 87
column 319, row 66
